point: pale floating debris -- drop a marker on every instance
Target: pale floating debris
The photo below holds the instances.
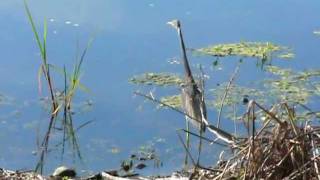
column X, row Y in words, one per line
column 67, row 22
column 161, row 140
column 151, row 5
column 52, row 20
column 207, row 76
column 287, row 56
column 173, row 61
column 34, row 152
column 316, row 32
column 114, row 150
column 55, row 32
column 76, row 25
column 26, row 103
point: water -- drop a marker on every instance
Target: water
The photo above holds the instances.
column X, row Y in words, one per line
column 131, row 37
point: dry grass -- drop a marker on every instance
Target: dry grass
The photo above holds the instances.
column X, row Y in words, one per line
column 281, row 149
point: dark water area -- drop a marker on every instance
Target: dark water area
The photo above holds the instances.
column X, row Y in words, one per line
column 131, row 37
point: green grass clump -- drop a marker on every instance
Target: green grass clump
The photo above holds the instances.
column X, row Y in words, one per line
column 61, row 114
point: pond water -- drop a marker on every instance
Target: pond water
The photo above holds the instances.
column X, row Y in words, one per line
column 131, row 37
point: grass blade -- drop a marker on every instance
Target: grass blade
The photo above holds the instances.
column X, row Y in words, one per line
column 34, row 28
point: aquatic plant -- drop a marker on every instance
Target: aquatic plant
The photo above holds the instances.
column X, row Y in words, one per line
column 61, row 101
column 45, row 70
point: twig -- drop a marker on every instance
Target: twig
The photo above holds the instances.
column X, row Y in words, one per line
column 221, row 134
column 226, row 93
column 186, row 149
column 297, row 172
column 203, row 111
column 269, row 113
column 234, row 119
column 223, row 172
column 160, row 102
column 291, row 118
column 276, row 167
column 314, row 155
column 201, row 137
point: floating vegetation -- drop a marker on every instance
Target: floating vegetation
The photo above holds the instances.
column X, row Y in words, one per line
column 279, row 71
column 2, row 97
column 173, row 101
column 235, row 96
column 31, row 125
column 159, row 79
column 261, row 50
column 286, row 56
column 295, row 87
column 6, row 100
